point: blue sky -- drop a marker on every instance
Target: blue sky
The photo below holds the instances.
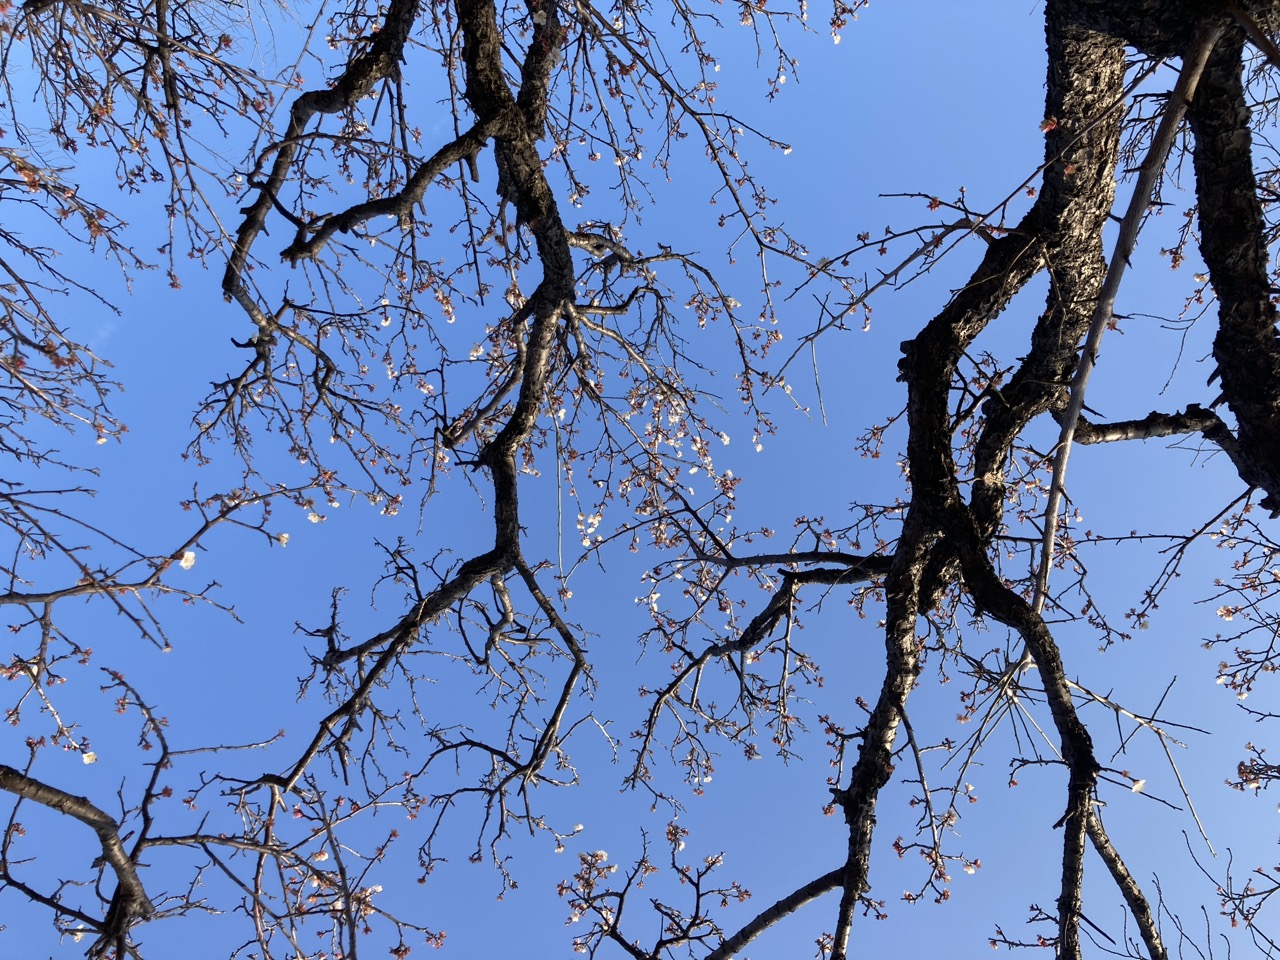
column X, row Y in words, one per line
column 924, row 97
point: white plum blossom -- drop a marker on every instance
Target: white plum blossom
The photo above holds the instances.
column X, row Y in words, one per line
column 187, row 562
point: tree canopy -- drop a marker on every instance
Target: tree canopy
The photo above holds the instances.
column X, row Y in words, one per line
column 517, row 286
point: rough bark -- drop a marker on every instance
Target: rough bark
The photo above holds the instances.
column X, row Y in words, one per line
column 1234, row 249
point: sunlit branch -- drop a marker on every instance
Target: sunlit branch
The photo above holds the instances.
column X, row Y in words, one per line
column 1152, row 169
column 133, row 902
column 783, row 908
